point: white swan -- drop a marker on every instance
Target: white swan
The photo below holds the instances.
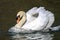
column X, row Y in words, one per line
column 43, row 21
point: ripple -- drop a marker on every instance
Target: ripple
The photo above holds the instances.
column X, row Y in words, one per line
column 33, row 36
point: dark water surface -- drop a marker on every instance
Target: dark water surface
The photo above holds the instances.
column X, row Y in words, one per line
column 9, row 9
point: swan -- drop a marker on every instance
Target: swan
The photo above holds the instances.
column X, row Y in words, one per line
column 43, row 21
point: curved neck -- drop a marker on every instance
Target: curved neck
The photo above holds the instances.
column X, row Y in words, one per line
column 22, row 21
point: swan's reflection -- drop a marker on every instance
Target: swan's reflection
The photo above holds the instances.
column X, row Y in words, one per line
column 33, row 36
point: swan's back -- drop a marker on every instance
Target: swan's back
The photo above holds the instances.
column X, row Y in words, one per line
column 39, row 23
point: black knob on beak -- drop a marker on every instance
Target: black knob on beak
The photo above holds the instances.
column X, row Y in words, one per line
column 17, row 17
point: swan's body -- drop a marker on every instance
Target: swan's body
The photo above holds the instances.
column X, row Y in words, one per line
column 36, row 23
column 43, row 22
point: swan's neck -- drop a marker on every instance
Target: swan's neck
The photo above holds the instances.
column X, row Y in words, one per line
column 22, row 21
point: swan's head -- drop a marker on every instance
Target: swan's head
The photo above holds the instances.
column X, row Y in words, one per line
column 20, row 16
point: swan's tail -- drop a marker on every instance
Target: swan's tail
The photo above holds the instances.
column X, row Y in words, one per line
column 57, row 28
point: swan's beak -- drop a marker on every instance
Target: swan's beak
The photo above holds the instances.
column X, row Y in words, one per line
column 17, row 19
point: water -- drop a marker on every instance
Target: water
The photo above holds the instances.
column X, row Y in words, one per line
column 37, row 36
column 26, row 36
column 9, row 9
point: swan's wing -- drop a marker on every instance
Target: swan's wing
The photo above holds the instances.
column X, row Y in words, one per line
column 31, row 11
column 29, row 14
column 49, row 15
column 41, row 9
column 51, row 19
column 39, row 23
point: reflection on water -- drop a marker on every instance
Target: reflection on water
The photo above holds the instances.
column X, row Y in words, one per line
column 26, row 36
column 32, row 36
